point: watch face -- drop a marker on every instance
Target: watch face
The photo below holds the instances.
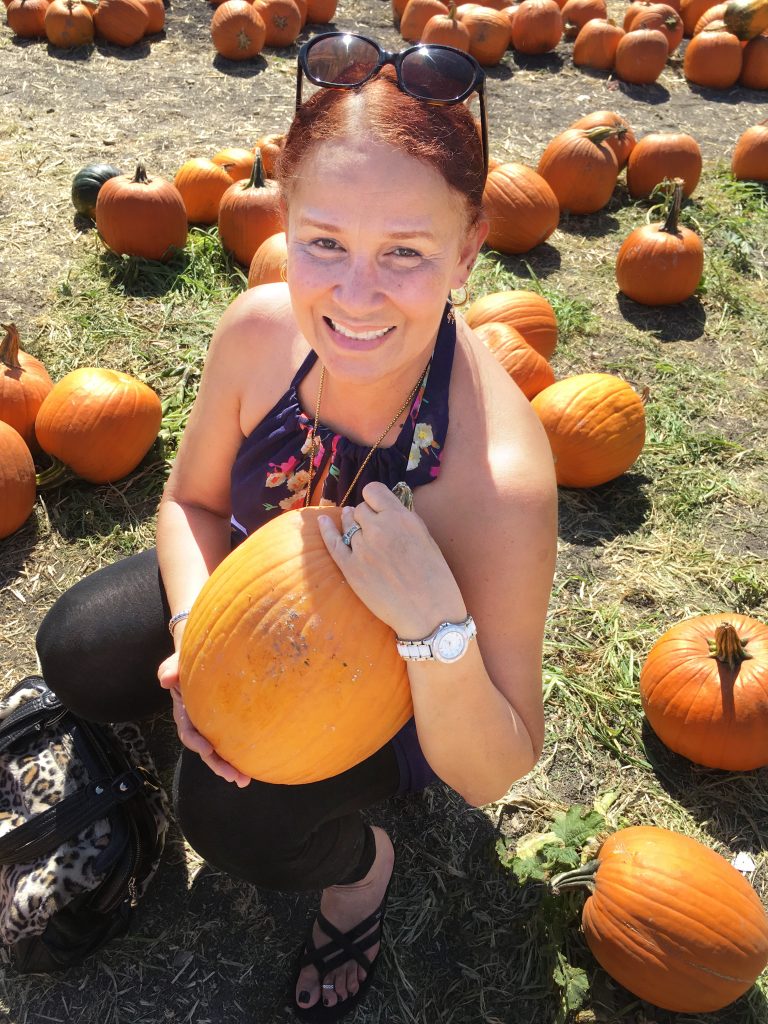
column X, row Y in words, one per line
column 450, row 645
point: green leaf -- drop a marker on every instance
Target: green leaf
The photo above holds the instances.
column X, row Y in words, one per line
column 528, row 867
column 573, row 985
column 605, row 801
column 577, row 824
column 505, row 852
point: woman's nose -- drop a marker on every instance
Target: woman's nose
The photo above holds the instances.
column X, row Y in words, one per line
column 359, row 289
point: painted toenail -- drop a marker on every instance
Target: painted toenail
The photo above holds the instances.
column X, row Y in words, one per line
column 304, row 996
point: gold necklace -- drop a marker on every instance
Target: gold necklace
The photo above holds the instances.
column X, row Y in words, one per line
column 313, row 445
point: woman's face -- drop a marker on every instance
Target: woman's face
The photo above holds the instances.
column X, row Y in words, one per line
column 376, row 240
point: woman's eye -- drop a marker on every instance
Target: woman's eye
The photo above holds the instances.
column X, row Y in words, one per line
column 405, row 253
column 329, row 244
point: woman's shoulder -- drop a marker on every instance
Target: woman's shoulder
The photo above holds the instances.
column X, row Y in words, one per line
column 256, row 320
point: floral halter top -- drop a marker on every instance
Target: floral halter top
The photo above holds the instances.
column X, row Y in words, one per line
column 271, row 472
column 271, row 469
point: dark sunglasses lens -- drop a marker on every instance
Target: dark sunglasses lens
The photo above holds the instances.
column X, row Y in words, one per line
column 341, row 60
column 432, row 74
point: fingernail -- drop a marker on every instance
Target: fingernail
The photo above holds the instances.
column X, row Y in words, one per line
column 303, row 996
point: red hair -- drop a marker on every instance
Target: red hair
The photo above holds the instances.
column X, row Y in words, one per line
column 445, row 136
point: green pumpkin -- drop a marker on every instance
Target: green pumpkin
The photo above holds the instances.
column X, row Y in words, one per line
column 86, row 184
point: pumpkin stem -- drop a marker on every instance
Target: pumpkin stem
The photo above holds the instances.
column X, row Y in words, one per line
column 404, row 494
column 670, row 224
column 56, row 474
column 9, row 347
column 728, row 647
column 452, row 12
column 257, row 179
column 600, row 133
column 578, row 878
column 140, row 177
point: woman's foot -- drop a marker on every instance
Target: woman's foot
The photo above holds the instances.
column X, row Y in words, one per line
column 346, row 906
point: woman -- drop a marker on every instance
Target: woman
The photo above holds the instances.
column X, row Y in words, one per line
column 331, row 388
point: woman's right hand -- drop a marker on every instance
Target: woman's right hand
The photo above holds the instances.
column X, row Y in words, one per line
column 168, row 674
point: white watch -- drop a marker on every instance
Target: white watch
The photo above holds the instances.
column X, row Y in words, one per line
column 447, row 643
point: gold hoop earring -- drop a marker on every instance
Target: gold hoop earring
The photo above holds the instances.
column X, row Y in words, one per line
column 284, row 271
column 460, row 296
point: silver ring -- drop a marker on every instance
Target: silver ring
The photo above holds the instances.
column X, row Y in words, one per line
column 329, row 986
column 350, row 533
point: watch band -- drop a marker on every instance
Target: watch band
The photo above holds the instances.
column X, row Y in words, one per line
column 422, row 650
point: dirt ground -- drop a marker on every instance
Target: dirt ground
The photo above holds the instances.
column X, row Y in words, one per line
column 163, row 102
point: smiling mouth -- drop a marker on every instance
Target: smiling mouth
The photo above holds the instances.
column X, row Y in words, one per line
column 357, row 335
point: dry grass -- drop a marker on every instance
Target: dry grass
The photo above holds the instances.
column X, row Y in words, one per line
column 683, row 532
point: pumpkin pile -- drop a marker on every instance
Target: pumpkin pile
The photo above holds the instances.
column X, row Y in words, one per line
column 242, row 28
column 97, row 424
column 70, row 23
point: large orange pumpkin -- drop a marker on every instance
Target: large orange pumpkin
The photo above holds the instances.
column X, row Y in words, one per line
column 101, row 423
column 671, row 920
column 580, row 168
column 268, row 261
column 201, row 184
column 27, row 18
column 24, row 383
column 661, row 155
column 641, row 56
column 529, row 370
column 283, row 669
column 17, row 481
column 754, row 70
column 596, row 45
column 238, row 163
column 704, row 687
column 522, row 208
column 528, row 312
column 238, row 30
column 249, row 212
column 750, row 156
column 122, row 22
column 141, row 216
column 595, row 423
column 661, row 264
column 68, row 24
column 282, row 21
column 537, row 26
column 623, row 141
column 713, row 59
column 416, row 15
column 489, row 33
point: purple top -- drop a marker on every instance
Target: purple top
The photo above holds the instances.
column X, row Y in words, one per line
column 270, row 476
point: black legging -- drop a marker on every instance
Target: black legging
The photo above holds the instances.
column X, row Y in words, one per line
column 100, row 646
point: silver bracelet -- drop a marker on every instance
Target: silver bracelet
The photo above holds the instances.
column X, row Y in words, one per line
column 177, row 618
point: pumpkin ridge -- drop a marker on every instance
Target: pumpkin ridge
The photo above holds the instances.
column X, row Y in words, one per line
column 689, row 913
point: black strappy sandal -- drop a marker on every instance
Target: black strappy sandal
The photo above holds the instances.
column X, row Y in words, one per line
column 342, row 946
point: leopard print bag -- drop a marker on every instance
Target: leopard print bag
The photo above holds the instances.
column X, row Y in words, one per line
column 83, row 820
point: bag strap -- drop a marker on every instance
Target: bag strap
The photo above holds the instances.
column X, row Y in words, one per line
column 48, row 830
column 32, row 715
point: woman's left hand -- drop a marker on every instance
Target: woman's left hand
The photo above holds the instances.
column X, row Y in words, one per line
column 393, row 564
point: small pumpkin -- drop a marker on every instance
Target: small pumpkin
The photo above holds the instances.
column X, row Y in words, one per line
column 595, row 423
column 320, row 12
column 282, row 21
column 238, row 163
column 578, row 13
column 99, row 422
column 141, row 216
column 754, row 70
column 661, row 155
column 201, row 184
column 489, row 34
column 87, row 183
column 238, row 30
column 522, row 208
column 121, row 22
column 580, row 168
column 527, row 368
column 68, row 24
column 270, row 146
column 324, row 649
column 623, row 140
column 537, row 26
column 661, row 264
column 249, row 212
column 670, row 919
column 416, row 15
column 26, row 18
column 268, row 261
column 17, row 481
column 713, row 59
column 528, row 312
column 641, row 57
column 447, row 30
column 24, row 383
column 664, row 19
column 750, row 157
column 704, row 688
column 746, row 19
column 595, row 46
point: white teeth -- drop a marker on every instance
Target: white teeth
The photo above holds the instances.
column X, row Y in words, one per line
column 359, row 335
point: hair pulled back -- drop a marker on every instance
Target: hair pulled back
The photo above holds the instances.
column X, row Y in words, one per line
column 445, row 136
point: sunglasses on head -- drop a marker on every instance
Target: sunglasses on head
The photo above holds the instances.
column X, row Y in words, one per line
column 429, row 72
